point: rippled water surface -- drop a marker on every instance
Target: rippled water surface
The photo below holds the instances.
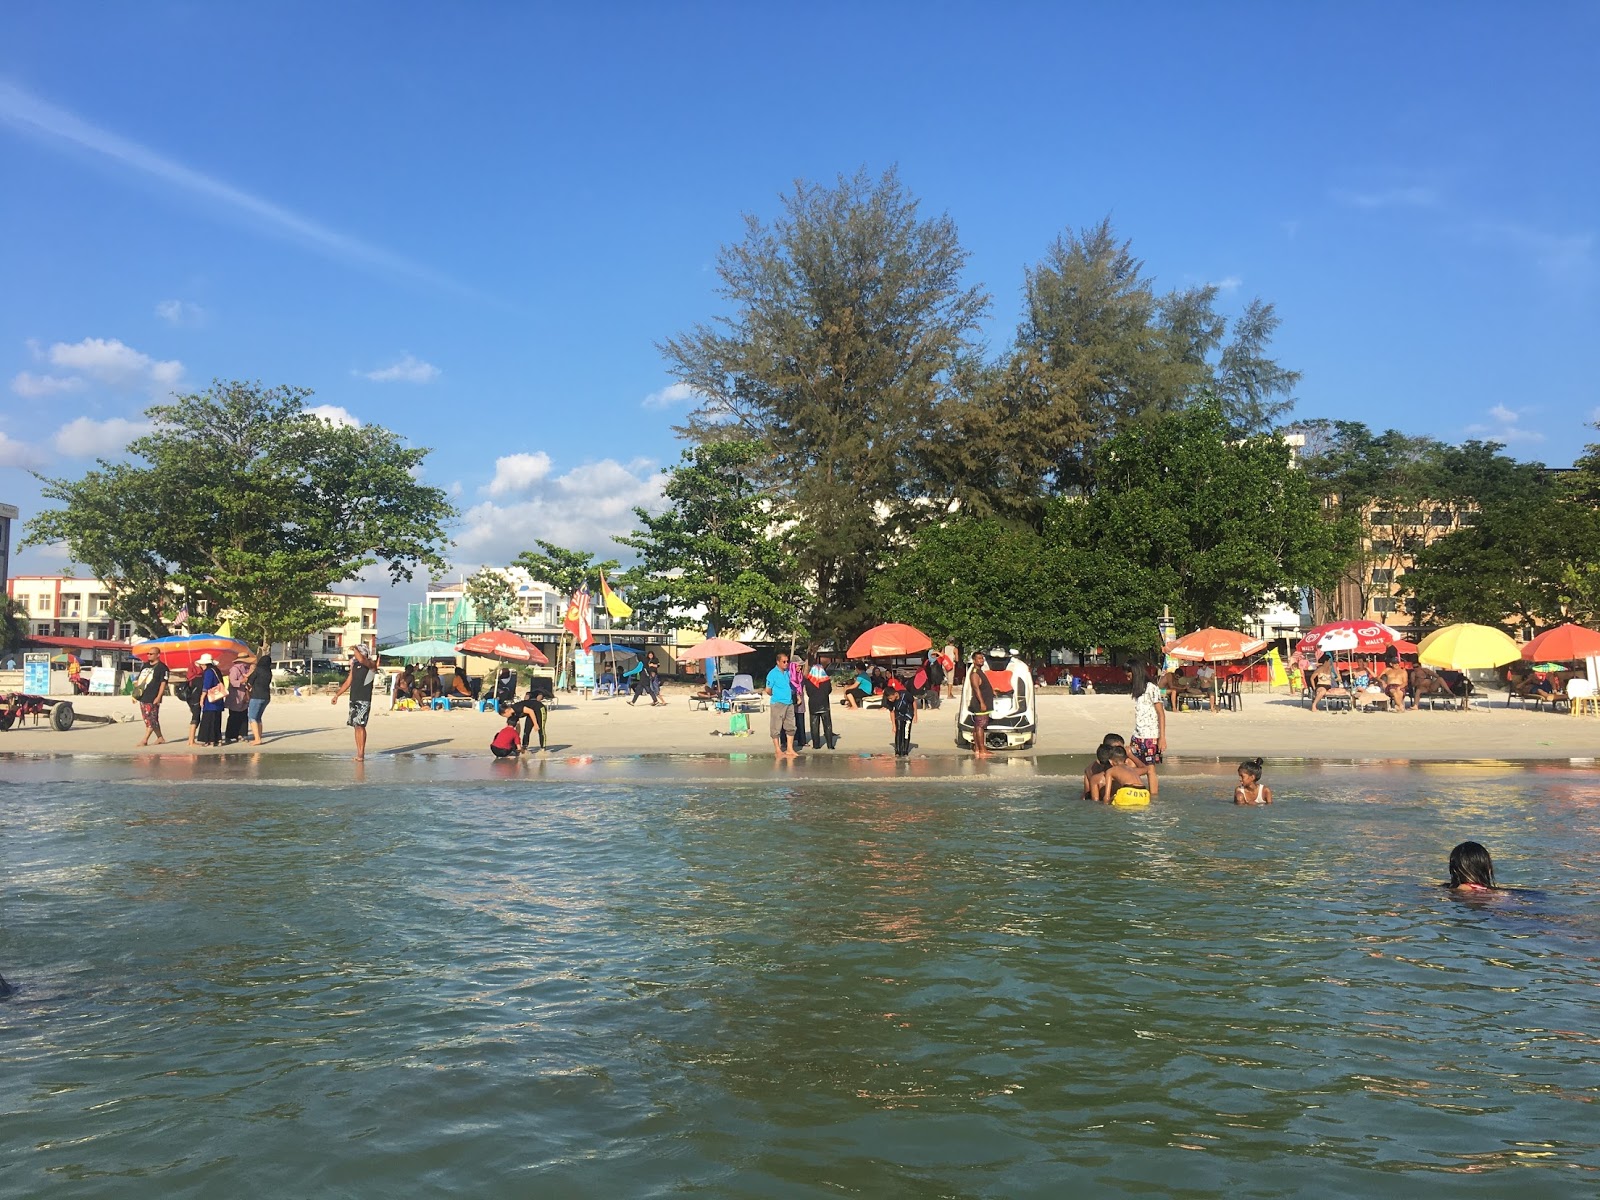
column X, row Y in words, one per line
column 288, row 985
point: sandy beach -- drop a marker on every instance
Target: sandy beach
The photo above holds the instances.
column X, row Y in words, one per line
column 1272, row 725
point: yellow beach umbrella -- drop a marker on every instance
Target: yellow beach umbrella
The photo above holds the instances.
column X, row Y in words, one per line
column 1467, row 647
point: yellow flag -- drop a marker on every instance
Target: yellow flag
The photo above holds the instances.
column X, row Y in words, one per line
column 614, row 605
column 1280, row 677
column 225, row 629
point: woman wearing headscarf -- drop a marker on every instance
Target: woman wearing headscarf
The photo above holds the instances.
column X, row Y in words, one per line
column 238, row 701
column 213, row 698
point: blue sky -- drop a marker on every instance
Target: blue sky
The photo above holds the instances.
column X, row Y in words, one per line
column 473, row 223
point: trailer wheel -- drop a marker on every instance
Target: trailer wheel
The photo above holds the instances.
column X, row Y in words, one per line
column 61, row 717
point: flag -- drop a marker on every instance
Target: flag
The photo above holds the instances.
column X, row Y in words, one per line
column 183, row 616
column 613, row 602
column 577, row 622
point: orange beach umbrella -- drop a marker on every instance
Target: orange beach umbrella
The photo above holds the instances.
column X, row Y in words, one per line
column 1564, row 643
column 889, row 641
column 1215, row 645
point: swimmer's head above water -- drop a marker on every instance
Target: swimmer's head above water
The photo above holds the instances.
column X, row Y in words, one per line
column 1471, row 867
column 1250, row 770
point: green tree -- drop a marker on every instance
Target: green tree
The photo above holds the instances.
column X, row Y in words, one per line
column 1185, row 514
column 712, row 550
column 848, row 321
column 13, row 623
column 979, row 582
column 563, row 569
column 1098, row 351
column 493, row 597
column 246, row 505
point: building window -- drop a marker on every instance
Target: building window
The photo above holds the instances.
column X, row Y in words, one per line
column 1382, row 575
column 1383, row 604
column 332, row 643
column 369, row 618
column 1383, row 546
column 42, row 604
column 1467, row 518
column 1383, row 518
column 1442, row 516
column 1412, row 518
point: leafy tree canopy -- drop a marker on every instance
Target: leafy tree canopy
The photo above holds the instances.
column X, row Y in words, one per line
column 713, row 549
column 493, row 597
column 250, row 505
column 563, row 569
column 848, row 321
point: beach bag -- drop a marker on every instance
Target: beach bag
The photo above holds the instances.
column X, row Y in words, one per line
column 739, row 723
column 217, row 692
column 184, row 691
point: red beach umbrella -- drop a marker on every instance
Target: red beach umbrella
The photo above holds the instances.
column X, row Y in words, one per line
column 1564, row 643
column 1215, row 645
column 889, row 641
column 504, row 645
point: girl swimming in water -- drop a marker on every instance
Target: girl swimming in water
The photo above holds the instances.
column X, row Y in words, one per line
column 1471, row 869
column 1251, row 790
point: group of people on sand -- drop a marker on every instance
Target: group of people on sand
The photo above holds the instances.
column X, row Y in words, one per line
column 225, row 706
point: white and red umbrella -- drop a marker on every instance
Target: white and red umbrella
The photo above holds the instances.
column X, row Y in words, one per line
column 1354, row 637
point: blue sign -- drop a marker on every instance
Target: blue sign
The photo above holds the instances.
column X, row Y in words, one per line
column 36, row 673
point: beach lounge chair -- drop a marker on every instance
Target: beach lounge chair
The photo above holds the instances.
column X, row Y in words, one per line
column 743, row 697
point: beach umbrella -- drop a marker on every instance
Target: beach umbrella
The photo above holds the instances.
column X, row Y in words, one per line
column 1358, row 637
column 427, row 648
column 1467, row 647
column 1215, row 645
column 182, row 650
column 1564, row 643
column 503, row 645
column 889, row 641
column 716, row 647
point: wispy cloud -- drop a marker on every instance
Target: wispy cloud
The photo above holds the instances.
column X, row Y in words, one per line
column 671, row 396
column 88, row 438
column 408, row 370
column 20, row 454
column 48, row 123
column 33, row 387
column 1228, row 283
column 1415, row 196
column 181, row 313
column 1505, row 426
column 1557, row 254
column 117, row 365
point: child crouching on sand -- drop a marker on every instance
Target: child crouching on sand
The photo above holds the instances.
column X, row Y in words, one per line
column 507, row 743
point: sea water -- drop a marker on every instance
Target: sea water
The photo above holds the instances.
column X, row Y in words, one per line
column 659, row 977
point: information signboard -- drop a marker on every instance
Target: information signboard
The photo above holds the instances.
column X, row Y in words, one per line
column 36, row 672
column 584, row 663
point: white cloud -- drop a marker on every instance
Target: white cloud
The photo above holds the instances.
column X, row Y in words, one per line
column 1398, row 197
column 1558, row 254
column 671, row 396
column 44, row 121
column 584, row 508
column 334, row 414
column 1504, row 426
column 407, row 370
column 1228, row 283
column 26, row 383
column 25, row 455
column 181, row 313
column 516, row 473
column 116, row 365
column 88, row 438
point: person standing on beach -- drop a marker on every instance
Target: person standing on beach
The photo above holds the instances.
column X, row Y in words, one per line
column 652, row 677
column 819, row 704
column 260, row 692
column 780, row 721
column 359, row 684
column 980, row 705
column 213, row 697
column 153, row 680
column 238, row 701
column 951, row 656
column 797, row 689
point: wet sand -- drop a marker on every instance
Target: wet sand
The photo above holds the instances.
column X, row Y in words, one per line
column 1274, row 726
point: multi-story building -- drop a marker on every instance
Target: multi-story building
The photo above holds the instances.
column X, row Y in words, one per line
column 1374, row 588
column 8, row 514
column 67, row 607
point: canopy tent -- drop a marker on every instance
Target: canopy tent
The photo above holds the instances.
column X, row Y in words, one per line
column 427, row 648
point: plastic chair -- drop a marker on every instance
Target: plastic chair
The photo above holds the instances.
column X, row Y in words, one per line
column 1581, row 698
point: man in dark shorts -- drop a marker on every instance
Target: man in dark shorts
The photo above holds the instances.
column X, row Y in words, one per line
column 359, row 684
column 154, row 679
column 980, row 705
